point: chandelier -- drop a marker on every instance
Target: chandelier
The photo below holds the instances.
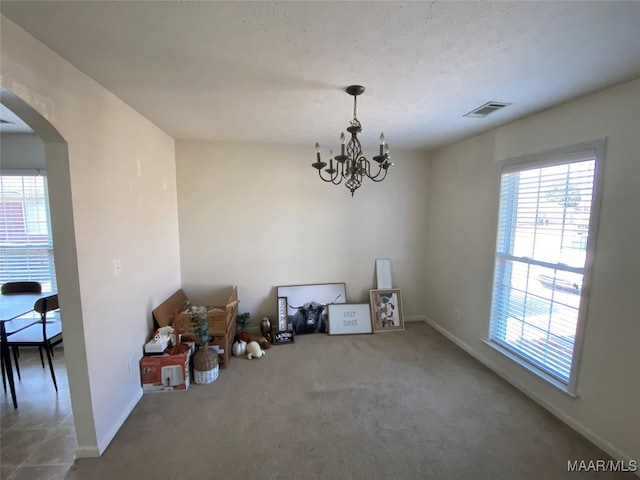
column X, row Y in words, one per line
column 352, row 166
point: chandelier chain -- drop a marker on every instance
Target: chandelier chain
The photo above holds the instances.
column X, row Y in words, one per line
column 355, row 122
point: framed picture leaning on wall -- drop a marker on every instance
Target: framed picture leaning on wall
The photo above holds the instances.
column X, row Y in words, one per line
column 306, row 305
column 349, row 318
column 386, row 310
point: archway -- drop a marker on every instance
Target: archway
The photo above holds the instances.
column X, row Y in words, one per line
column 63, row 231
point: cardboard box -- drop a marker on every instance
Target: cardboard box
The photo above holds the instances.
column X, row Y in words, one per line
column 222, row 321
column 224, row 344
column 165, row 373
column 222, row 318
column 165, row 313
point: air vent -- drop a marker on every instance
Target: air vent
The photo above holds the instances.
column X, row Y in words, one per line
column 486, row 109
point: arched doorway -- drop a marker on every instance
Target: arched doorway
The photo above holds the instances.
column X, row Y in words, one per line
column 63, row 231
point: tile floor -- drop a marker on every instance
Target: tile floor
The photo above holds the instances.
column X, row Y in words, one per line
column 38, row 439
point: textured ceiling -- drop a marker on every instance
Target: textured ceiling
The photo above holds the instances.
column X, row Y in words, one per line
column 11, row 123
column 275, row 72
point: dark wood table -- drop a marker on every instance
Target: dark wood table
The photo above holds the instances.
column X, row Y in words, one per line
column 12, row 306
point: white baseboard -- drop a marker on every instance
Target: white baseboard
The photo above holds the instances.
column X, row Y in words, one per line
column 254, row 330
column 92, row 451
column 87, row 452
column 415, row 318
column 594, row 438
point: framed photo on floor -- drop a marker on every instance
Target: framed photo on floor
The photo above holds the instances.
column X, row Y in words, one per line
column 386, row 310
column 307, row 310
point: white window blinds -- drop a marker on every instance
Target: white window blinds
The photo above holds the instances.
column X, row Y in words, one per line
column 543, row 231
column 26, row 246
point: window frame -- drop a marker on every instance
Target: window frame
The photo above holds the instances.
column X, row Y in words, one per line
column 557, row 156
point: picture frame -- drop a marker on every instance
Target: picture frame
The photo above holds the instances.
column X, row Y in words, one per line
column 386, row 310
column 282, row 314
column 307, row 305
column 349, row 318
column 383, row 273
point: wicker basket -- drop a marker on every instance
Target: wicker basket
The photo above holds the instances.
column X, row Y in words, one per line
column 205, row 365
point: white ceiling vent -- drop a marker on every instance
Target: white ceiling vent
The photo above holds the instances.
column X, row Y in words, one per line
column 486, row 109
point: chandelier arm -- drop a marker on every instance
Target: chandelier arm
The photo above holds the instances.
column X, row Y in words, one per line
column 365, row 166
column 330, row 179
column 367, row 169
column 362, row 167
column 376, row 177
column 336, row 177
column 339, row 175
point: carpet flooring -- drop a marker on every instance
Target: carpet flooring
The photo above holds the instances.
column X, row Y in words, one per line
column 398, row 405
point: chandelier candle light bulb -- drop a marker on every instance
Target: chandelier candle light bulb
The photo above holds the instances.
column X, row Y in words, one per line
column 353, row 166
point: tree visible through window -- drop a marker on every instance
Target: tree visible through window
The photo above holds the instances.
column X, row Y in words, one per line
column 26, row 246
column 545, row 213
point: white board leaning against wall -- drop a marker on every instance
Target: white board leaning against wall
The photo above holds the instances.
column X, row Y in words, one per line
column 383, row 273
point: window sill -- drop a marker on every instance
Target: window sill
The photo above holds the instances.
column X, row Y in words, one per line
column 527, row 366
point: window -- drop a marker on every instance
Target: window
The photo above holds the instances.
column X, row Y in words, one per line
column 546, row 226
column 26, row 245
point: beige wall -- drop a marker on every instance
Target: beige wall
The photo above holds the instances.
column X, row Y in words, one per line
column 258, row 216
column 113, row 196
column 462, row 227
column 21, row 151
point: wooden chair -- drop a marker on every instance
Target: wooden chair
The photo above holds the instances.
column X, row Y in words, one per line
column 44, row 334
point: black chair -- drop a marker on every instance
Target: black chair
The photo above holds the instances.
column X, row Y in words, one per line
column 20, row 287
column 10, row 288
column 43, row 334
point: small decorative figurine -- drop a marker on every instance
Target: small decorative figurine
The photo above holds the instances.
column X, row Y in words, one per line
column 264, row 343
column 239, row 348
column 265, row 328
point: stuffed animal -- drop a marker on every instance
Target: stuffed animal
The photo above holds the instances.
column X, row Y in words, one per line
column 254, row 350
